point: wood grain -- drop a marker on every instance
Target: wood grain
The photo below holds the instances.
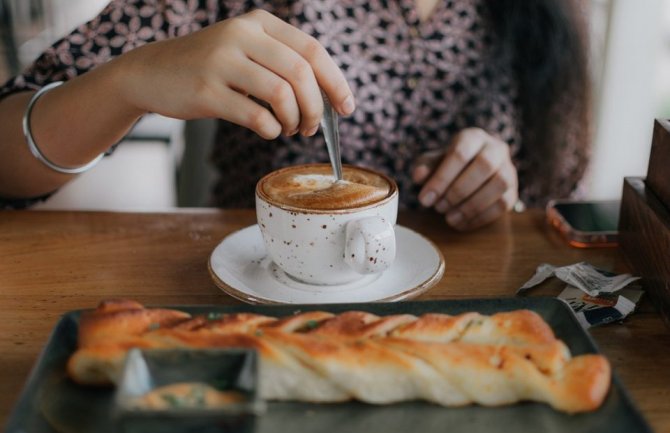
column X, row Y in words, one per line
column 644, row 232
column 658, row 175
column 54, row 262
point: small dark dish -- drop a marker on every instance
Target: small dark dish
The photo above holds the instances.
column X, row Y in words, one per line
column 52, row 403
column 181, row 390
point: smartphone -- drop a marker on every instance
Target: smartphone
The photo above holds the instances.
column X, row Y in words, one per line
column 586, row 224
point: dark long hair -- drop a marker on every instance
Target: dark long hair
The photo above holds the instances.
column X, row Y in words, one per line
column 545, row 41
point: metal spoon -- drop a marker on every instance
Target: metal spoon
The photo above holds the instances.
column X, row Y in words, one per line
column 332, row 136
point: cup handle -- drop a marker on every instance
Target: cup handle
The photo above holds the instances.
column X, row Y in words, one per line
column 370, row 245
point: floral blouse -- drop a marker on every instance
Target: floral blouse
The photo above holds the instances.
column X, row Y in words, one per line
column 416, row 83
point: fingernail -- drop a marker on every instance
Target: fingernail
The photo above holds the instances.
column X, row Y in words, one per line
column 311, row 131
column 454, row 218
column 348, row 105
column 442, row 206
column 428, row 199
column 294, row 132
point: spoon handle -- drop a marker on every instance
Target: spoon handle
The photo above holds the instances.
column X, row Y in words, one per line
column 332, row 136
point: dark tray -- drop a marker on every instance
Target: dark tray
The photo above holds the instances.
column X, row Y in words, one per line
column 51, row 403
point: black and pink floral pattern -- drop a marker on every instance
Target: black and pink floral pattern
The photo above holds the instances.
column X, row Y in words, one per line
column 416, row 83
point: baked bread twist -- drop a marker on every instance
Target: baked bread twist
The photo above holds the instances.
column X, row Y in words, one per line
column 317, row 356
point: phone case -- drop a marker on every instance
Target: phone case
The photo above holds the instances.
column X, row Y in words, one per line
column 579, row 238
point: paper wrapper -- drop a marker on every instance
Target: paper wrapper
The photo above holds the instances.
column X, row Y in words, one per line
column 596, row 296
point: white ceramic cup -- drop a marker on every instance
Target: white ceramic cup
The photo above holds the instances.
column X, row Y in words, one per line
column 329, row 247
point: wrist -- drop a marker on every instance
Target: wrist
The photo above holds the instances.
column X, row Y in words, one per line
column 35, row 149
column 117, row 78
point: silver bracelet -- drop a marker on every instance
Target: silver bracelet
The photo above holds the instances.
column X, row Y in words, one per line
column 37, row 153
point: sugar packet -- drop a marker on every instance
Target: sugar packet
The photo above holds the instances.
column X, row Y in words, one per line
column 595, row 295
column 602, row 309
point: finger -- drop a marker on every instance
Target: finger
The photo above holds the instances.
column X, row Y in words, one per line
column 241, row 110
column 482, row 167
column 442, row 206
column 492, row 213
column 420, row 174
column 296, row 72
column 425, row 164
column 494, row 188
column 262, row 83
column 465, row 147
column 327, row 73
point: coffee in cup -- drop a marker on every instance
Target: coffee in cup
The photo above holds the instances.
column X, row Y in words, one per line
column 327, row 232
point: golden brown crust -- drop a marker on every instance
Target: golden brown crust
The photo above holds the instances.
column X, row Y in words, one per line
column 360, row 324
column 116, row 318
column 299, row 322
column 516, row 327
column 318, row 356
column 587, row 380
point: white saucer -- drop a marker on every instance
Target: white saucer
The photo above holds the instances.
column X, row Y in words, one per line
column 240, row 266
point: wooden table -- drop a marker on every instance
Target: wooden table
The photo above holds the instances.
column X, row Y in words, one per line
column 53, row 262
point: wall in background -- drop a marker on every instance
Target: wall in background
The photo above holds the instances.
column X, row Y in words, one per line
column 627, row 92
column 36, row 24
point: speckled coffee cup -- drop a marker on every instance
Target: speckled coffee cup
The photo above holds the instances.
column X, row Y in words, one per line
column 329, row 247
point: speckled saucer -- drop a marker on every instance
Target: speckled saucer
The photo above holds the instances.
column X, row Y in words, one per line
column 240, row 266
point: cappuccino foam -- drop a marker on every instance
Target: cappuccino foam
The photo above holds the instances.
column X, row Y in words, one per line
column 315, row 187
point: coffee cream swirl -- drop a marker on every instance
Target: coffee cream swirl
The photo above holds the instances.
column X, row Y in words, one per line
column 315, row 187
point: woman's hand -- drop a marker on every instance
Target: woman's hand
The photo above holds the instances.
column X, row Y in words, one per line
column 474, row 182
column 213, row 72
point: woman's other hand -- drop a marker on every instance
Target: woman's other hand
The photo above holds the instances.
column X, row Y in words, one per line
column 213, row 72
column 473, row 183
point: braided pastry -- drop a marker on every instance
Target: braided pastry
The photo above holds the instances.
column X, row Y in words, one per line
column 321, row 357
